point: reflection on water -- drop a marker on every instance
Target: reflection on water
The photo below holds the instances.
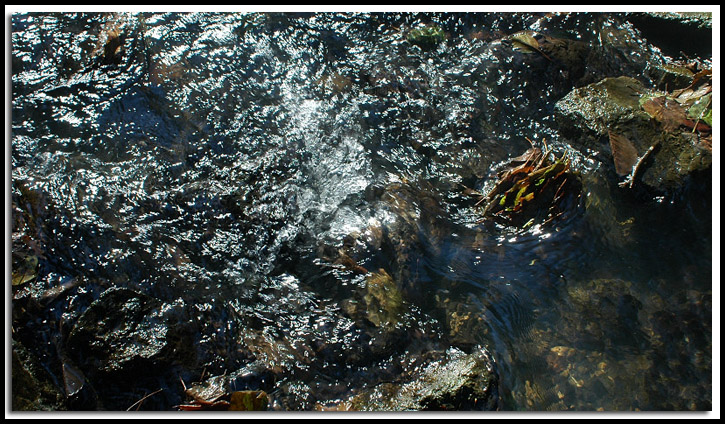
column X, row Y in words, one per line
column 218, row 161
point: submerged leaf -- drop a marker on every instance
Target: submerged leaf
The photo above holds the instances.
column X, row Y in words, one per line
column 624, row 153
column 249, row 400
column 25, row 270
column 701, row 109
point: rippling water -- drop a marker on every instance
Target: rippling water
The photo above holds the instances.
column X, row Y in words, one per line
column 212, row 157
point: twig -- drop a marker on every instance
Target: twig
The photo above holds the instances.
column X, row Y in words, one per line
column 630, row 179
column 138, row 402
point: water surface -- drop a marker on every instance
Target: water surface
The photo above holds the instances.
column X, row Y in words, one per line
column 208, row 159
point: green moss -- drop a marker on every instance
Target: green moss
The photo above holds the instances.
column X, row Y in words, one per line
column 428, row 36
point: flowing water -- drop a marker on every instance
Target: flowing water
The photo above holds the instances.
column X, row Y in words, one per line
column 212, row 160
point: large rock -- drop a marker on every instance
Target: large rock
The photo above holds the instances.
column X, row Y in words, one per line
column 588, row 115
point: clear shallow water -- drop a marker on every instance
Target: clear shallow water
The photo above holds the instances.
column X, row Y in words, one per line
column 215, row 158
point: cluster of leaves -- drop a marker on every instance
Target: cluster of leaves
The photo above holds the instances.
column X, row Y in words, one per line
column 690, row 107
column 530, row 187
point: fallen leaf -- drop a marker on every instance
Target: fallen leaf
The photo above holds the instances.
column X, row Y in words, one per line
column 24, row 270
column 689, row 95
column 624, row 153
column 524, row 41
column 666, row 111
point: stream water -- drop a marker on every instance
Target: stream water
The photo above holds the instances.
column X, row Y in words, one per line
column 210, row 160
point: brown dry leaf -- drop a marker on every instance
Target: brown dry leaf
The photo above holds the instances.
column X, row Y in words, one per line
column 624, row 153
column 706, row 142
column 526, row 42
column 667, row 111
column 690, row 95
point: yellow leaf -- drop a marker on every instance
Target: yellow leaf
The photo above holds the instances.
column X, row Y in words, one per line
column 524, row 41
column 25, row 271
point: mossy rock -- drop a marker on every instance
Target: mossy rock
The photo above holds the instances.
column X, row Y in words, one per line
column 383, row 299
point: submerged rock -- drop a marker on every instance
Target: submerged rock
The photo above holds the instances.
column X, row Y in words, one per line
column 383, row 299
column 602, row 349
column 464, row 319
column 453, row 381
column 121, row 328
column 32, row 387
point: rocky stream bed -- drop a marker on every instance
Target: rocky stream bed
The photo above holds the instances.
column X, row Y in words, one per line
column 361, row 212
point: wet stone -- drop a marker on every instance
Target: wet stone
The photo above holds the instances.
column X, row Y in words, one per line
column 121, row 328
column 587, row 113
column 624, row 109
column 453, row 381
